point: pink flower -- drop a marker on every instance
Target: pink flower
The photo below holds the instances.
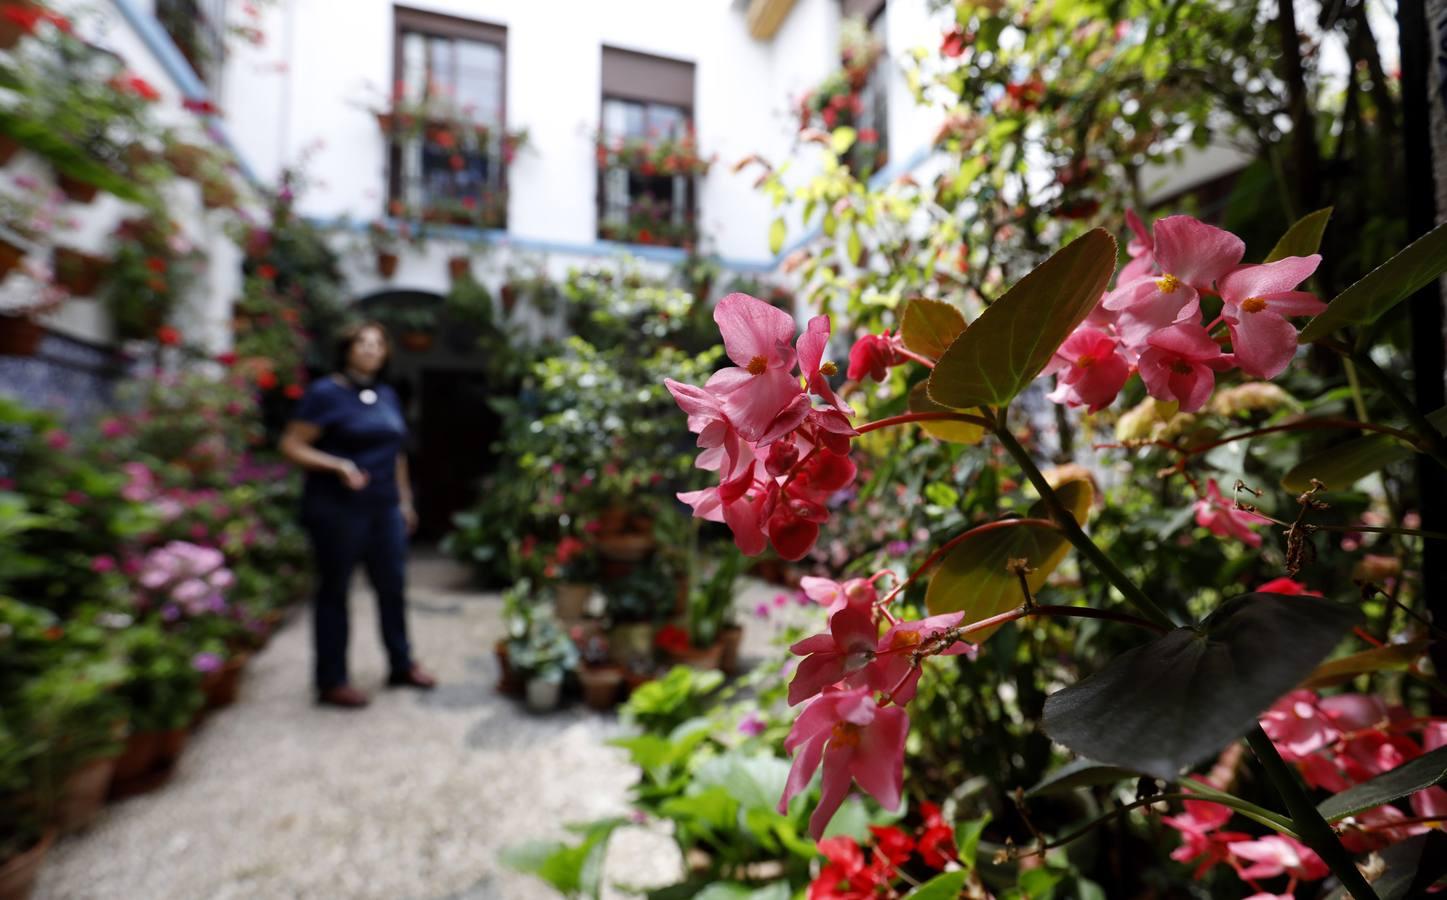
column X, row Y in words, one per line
column 1297, row 725
column 1255, row 303
column 57, row 439
column 1225, row 520
column 856, row 740
column 1191, row 255
column 1179, row 364
column 872, row 355
column 723, row 448
column 840, row 655
column 1277, row 854
column 752, row 725
column 857, row 592
column 810, row 348
column 893, row 671
column 103, row 564
column 759, row 395
column 1354, row 712
column 1286, row 586
column 1141, row 249
column 1088, row 369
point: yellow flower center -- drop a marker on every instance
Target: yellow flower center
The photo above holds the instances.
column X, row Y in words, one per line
column 1253, row 304
column 905, row 639
column 846, row 734
column 1085, row 361
column 1168, row 283
column 757, row 365
column 828, row 368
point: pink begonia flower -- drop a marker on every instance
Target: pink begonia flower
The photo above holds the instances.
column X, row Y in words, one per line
column 1256, row 301
column 759, row 395
column 1088, row 369
column 1200, row 838
column 858, row 592
column 736, row 503
column 893, row 670
column 1179, row 363
column 722, row 446
column 1191, row 255
column 1432, row 801
column 1225, row 520
column 1276, row 854
column 872, row 355
column 1265, row 896
column 752, row 725
column 1367, row 755
column 1354, row 712
column 857, row 740
column 1380, row 827
column 103, row 564
column 1141, row 249
column 810, row 349
column 839, row 655
column 1297, row 725
column 1320, row 770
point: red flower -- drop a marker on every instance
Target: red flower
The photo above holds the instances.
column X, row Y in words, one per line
column 672, row 639
column 444, row 139
column 168, row 336
column 644, row 236
column 156, row 264
column 456, row 161
column 28, row 17
column 892, row 843
column 200, row 106
column 868, row 136
column 293, row 391
column 648, row 168
column 267, row 271
column 138, row 86
column 266, row 379
column 954, row 43
column 227, row 359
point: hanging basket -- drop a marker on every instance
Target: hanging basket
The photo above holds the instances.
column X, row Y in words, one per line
column 184, row 159
column 79, row 273
column 20, row 336
column 387, row 264
column 459, row 267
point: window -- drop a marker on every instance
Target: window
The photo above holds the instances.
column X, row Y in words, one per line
column 449, row 143
column 647, row 155
column 196, row 28
column 862, row 47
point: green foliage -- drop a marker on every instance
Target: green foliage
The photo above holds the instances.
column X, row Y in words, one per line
column 1303, row 238
column 1384, row 287
column 1414, row 775
column 663, row 704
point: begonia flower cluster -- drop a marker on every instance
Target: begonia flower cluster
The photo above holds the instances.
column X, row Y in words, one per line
column 1152, row 321
column 856, row 683
column 771, row 427
column 183, row 580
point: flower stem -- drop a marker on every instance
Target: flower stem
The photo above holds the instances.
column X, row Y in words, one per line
column 1314, row 830
column 922, row 417
column 1076, row 535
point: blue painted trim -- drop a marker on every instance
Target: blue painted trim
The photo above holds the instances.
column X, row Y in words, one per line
column 876, row 181
column 503, row 238
column 149, row 29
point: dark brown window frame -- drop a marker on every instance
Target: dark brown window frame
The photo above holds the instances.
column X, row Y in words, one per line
column 669, row 72
column 406, row 20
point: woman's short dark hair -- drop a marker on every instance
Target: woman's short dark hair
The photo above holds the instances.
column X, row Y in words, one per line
column 348, row 335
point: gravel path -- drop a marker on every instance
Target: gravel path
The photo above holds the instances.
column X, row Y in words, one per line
column 411, row 798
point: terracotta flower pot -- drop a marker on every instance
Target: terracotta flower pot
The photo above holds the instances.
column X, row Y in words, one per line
column 137, row 757
column 626, row 547
column 631, row 644
column 612, row 520
column 217, row 194
column 20, row 336
column 147, row 761
column 184, row 159
column 17, row 874
column 77, row 272
column 570, row 601
column 82, row 794
column 509, row 296
column 701, row 658
column 76, row 190
column 8, row 148
column 170, row 746
column 509, row 682
column 222, row 685
column 601, row 685
column 730, row 637
column 459, row 267
column 387, row 264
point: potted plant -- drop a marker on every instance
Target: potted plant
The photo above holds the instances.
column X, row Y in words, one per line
column 79, row 273
column 414, row 325
column 636, row 603
column 163, row 695
column 384, row 243
column 600, row 677
column 185, row 159
column 576, row 568
column 544, row 656
column 468, row 304
column 152, row 267
column 710, row 608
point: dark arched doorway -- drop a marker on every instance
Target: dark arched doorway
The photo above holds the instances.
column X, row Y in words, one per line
column 444, row 388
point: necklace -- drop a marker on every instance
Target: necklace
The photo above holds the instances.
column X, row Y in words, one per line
column 364, row 392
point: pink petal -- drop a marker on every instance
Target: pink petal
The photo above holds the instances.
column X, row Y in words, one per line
column 834, row 787
column 752, row 328
column 806, row 763
column 753, row 402
column 1267, row 278
column 1195, row 252
column 816, row 672
column 1294, row 303
column 812, row 343
column 1263, row 343
column 1189, row 342
column 693, row 400
column 878, row 763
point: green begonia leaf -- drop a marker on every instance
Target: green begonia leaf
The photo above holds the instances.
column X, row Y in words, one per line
column 1410, row 777
column 1384, row 287
column 1303, row 238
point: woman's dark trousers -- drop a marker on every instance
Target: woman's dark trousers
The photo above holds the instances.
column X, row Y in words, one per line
column 343, row 534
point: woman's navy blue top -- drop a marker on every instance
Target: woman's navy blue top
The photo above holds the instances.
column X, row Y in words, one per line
column 370, row 435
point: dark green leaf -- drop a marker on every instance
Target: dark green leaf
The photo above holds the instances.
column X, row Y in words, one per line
column 1413, row 866
column 1384, row 287
column 1408, row 778
column 930, row 326
column 1006, row 347
column 946, row 886
column 1166, row 705
column 1303, row 238
column 1344, row 465
column 1076, row 774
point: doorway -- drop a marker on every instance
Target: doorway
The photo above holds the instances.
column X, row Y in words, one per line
column 456, row 431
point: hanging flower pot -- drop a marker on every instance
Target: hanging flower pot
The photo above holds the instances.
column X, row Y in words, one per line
column 387, row 264
column 509, row 297
column 18, row 873
column 75, row 190
column 459, row 267
column 730, row 637
column 20, row 335
column 77, row 272
column 217, row 194
column 184, row 159
column 10, row 257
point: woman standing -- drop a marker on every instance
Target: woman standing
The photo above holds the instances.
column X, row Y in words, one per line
column 348, row 433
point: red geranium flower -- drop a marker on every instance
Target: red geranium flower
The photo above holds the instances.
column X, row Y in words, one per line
column 138, row 86
column 200, row 106
column 156, row 264
column 266, row 379
column 226, row 359
column 672, row 639
column 293, row 391
column 168, row 336
column 267, row 271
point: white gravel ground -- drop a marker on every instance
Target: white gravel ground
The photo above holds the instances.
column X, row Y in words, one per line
column 411, row 798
